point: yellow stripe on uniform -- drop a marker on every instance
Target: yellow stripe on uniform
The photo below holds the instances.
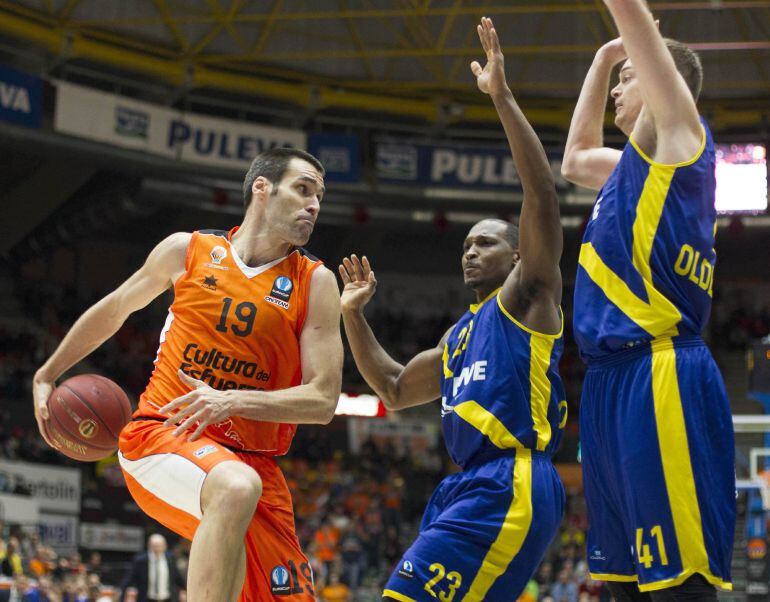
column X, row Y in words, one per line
column 540, row 350
column 659, row 318
column 397, row 596
column 489, row 425
column 648, row 213
column 613, row 577
column 513, row 532
column 675, row 454
column 540, row 387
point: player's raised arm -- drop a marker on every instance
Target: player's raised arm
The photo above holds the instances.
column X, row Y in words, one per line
column 312, row 402
column 163, row 265
column 398, row 386
column 540, row 233
column 664, row 90
column 587, row 162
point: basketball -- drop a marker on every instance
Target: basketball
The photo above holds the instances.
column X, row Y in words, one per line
column 87, row 413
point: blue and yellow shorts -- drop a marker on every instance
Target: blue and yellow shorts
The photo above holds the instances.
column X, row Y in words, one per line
column 484, row 532
column 658, row 466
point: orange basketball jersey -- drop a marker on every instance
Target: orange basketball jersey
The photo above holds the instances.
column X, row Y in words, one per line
column 233, row 327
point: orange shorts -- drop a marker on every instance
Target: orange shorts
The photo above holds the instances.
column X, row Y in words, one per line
column 165, row 476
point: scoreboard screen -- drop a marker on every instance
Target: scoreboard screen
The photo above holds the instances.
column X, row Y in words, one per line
column 741, row 173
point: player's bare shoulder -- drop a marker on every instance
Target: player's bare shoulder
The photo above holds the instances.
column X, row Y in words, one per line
column 169, row 255
column 323, row 287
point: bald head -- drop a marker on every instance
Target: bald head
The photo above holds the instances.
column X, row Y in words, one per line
column 157, row 543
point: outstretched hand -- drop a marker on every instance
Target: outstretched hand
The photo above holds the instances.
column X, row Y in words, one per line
column 360, row 283
column 491, row 77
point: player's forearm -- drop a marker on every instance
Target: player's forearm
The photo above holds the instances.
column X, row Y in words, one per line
column 379, row 370
column 527, row 151
column 94, row 327
column 586, row 130
column 310, row 403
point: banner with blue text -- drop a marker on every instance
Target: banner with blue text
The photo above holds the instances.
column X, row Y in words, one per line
column 147, row 127
column 450, row 166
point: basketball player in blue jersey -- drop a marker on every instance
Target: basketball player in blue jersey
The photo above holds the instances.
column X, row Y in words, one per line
column 486, row 528
column 656, row 428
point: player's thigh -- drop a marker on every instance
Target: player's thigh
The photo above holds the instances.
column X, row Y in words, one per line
column 488, row 537
column 677, row 485
column 276, row 567
column 165, row 474
column 608, row 541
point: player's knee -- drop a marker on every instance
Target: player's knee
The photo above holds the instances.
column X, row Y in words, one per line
column 232, row 488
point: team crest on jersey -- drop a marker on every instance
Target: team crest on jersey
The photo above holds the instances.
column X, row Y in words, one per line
column 218, row 253
column 279, row 581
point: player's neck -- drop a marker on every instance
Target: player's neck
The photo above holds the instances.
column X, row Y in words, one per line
column 483, row 293
column 256, row 247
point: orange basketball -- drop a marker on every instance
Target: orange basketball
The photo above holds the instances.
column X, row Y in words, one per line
column 87, row 413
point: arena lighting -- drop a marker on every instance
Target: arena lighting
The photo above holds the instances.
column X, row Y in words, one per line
column 368, row 406
column 741, row 174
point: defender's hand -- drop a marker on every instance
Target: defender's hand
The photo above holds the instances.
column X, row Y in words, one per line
column 490, row 78
column 360, row 283
column 200, row 407
column 42, row 387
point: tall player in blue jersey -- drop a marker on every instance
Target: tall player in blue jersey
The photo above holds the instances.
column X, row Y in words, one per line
column 486, row 528
column 656, row 428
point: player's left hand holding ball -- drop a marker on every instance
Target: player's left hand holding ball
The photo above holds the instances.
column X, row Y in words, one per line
column 42, row 387
column 200, row 407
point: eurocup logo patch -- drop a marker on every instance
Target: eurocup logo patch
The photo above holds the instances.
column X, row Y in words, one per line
column 406, row 570
column 282, row 288
column 279, row 580
column 218, row 253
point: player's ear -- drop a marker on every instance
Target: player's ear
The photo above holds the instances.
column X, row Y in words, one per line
column 261, row 188
column 516, row 257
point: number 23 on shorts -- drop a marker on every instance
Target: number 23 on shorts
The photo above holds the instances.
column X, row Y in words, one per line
column 454, row 581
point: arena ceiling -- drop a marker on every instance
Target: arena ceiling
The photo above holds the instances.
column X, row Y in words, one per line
column 402, row 56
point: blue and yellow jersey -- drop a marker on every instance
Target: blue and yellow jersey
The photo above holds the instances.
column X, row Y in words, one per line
column 646, row 267
column 500, row 387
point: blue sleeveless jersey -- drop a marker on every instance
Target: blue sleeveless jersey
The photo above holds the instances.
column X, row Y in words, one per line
column 500, row 387
column 646, row 264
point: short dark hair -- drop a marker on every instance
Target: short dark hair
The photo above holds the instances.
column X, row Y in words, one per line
column 272, row 165
column 688, row 64
column 511, row 230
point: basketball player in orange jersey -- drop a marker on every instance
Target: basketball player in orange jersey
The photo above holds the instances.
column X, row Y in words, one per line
column 251, row 347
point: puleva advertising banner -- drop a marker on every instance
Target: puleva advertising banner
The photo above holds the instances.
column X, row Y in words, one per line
column 151, row 128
